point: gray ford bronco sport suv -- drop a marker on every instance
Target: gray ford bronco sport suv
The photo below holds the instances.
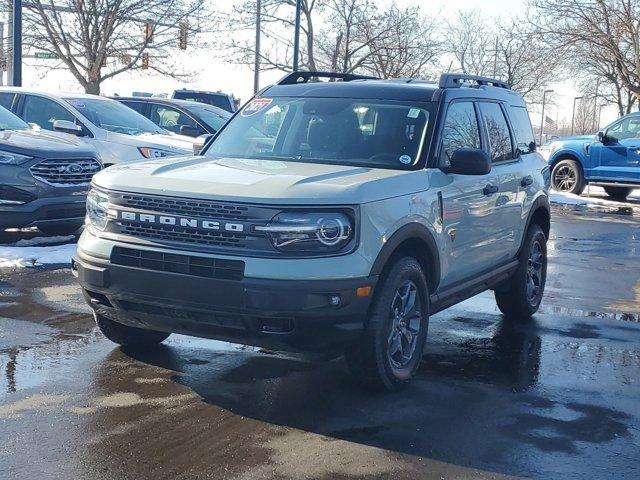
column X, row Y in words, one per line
column 326, row 216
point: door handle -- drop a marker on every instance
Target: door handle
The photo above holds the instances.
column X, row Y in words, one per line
column 490, row 189
column 526, row 181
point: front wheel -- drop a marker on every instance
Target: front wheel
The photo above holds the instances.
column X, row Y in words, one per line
column 390, row 350
column 521, row 295
column 128, row 336
column 618, row 193
column 567, row 177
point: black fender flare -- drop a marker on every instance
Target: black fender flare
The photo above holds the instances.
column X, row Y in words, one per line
column 411, row 231
column 541, row 202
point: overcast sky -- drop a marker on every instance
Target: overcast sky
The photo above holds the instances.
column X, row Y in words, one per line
column 215, row 75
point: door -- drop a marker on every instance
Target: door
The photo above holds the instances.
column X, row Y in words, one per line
column 618, row 157
column 508, row 170
column 468, row 201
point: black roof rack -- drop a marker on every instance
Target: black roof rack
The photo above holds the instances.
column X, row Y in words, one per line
column 456, row 80
column 303, row 77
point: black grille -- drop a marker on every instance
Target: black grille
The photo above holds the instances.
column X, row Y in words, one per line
column 183, row 235
column 66, row 172
column 206, row 267
column 193, row 208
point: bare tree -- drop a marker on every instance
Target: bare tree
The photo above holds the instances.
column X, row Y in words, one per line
column 277, row 27
column 607, row 28
column 583, row 119
column 99, row 39
column 518, row 56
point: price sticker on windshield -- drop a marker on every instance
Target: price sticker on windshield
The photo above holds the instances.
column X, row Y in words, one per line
column 256, row 105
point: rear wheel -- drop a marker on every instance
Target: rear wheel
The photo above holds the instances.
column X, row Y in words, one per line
column 567, row 177
column 128, row 336
column 618, row 193
column 390, row 351
column 521, row 295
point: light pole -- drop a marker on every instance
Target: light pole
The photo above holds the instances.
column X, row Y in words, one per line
column 296, row 38
column 16, row 80
column 544, row 102
column 573, row 114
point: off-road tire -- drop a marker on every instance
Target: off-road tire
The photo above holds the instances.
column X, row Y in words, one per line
column 128, row 336
column 618, row 193
column 370, row 360
column 514, row 297
column 567, row 177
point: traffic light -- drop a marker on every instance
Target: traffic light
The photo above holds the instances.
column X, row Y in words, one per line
column 184, row 27
column 148, row 32
column 145, row 61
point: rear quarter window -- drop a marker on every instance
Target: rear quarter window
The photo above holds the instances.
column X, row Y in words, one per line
column 521, row 124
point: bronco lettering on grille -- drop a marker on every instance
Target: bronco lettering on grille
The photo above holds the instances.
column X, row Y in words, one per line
column 170, row 220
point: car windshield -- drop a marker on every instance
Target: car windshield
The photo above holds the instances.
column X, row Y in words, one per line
column 9, row 121
column 212, row 116
column 114, row 116
column 370, row 133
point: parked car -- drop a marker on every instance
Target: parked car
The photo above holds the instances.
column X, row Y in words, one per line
column 332, row 218
column 115, row 131
column 217, row 99
column 611, row 159
column 188, row 118
column 43, row 178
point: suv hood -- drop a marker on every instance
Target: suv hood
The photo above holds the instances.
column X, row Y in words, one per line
column 261, row 181
column 39, row 143
column 177, row 143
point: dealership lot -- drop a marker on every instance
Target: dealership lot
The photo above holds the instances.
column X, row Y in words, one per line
column 554, row 398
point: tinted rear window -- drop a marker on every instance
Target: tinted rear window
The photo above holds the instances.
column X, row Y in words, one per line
column 6, row 100
column 522, row 128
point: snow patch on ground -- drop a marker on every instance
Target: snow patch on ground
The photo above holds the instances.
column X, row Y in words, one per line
column 29, row 256
column 595, row 197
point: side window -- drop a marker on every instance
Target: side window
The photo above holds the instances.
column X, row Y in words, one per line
column 521, row 124
column 500, row 147
column 44, row 112
column 6, row 99
column 137, row 106
column 625, row 129
column 169, row 118
column 460, row 129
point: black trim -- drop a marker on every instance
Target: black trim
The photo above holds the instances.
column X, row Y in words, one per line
column 540, row 202
column 457, row 80
column 303, row 77
column 410, row 232
column 468, row 288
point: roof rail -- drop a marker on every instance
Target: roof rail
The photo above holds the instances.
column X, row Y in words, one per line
column 457, row 80
column 304, row 76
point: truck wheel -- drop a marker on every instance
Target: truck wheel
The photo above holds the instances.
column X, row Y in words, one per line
column 567, row 177
column 520, row 297
column 391, row 347
column 128, row 336
column 618, row 193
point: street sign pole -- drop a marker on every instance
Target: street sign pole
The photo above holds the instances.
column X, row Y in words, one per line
column 17, row 43
column 296, row 38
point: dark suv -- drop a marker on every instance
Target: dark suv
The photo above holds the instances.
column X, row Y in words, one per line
column 44, row 177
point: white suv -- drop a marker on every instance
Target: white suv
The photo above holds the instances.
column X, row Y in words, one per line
column 118, row 133
column 327, row 216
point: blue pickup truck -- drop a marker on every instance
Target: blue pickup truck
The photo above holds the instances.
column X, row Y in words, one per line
column 610, row 159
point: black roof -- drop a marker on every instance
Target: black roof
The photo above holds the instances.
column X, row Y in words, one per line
column 300, row 84
column 177, row 102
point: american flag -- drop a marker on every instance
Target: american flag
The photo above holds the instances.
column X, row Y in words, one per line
column 550, row 123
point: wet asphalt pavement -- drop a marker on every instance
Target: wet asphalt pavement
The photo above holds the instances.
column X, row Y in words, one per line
column 556, row 398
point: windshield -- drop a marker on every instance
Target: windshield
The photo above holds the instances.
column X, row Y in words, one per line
column 8, row 121
column 114, row 116
column 372, row 133
column 214, row 117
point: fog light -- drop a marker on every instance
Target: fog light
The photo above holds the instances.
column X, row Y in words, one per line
column 334, row 300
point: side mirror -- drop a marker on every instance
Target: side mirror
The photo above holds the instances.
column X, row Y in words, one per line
column 200, row 142
column 189, row 131
column 469, row 161
column 66, row 126
column 601, row 136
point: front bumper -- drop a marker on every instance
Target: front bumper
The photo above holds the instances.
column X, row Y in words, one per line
column 67, row 210
column 289, row 315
